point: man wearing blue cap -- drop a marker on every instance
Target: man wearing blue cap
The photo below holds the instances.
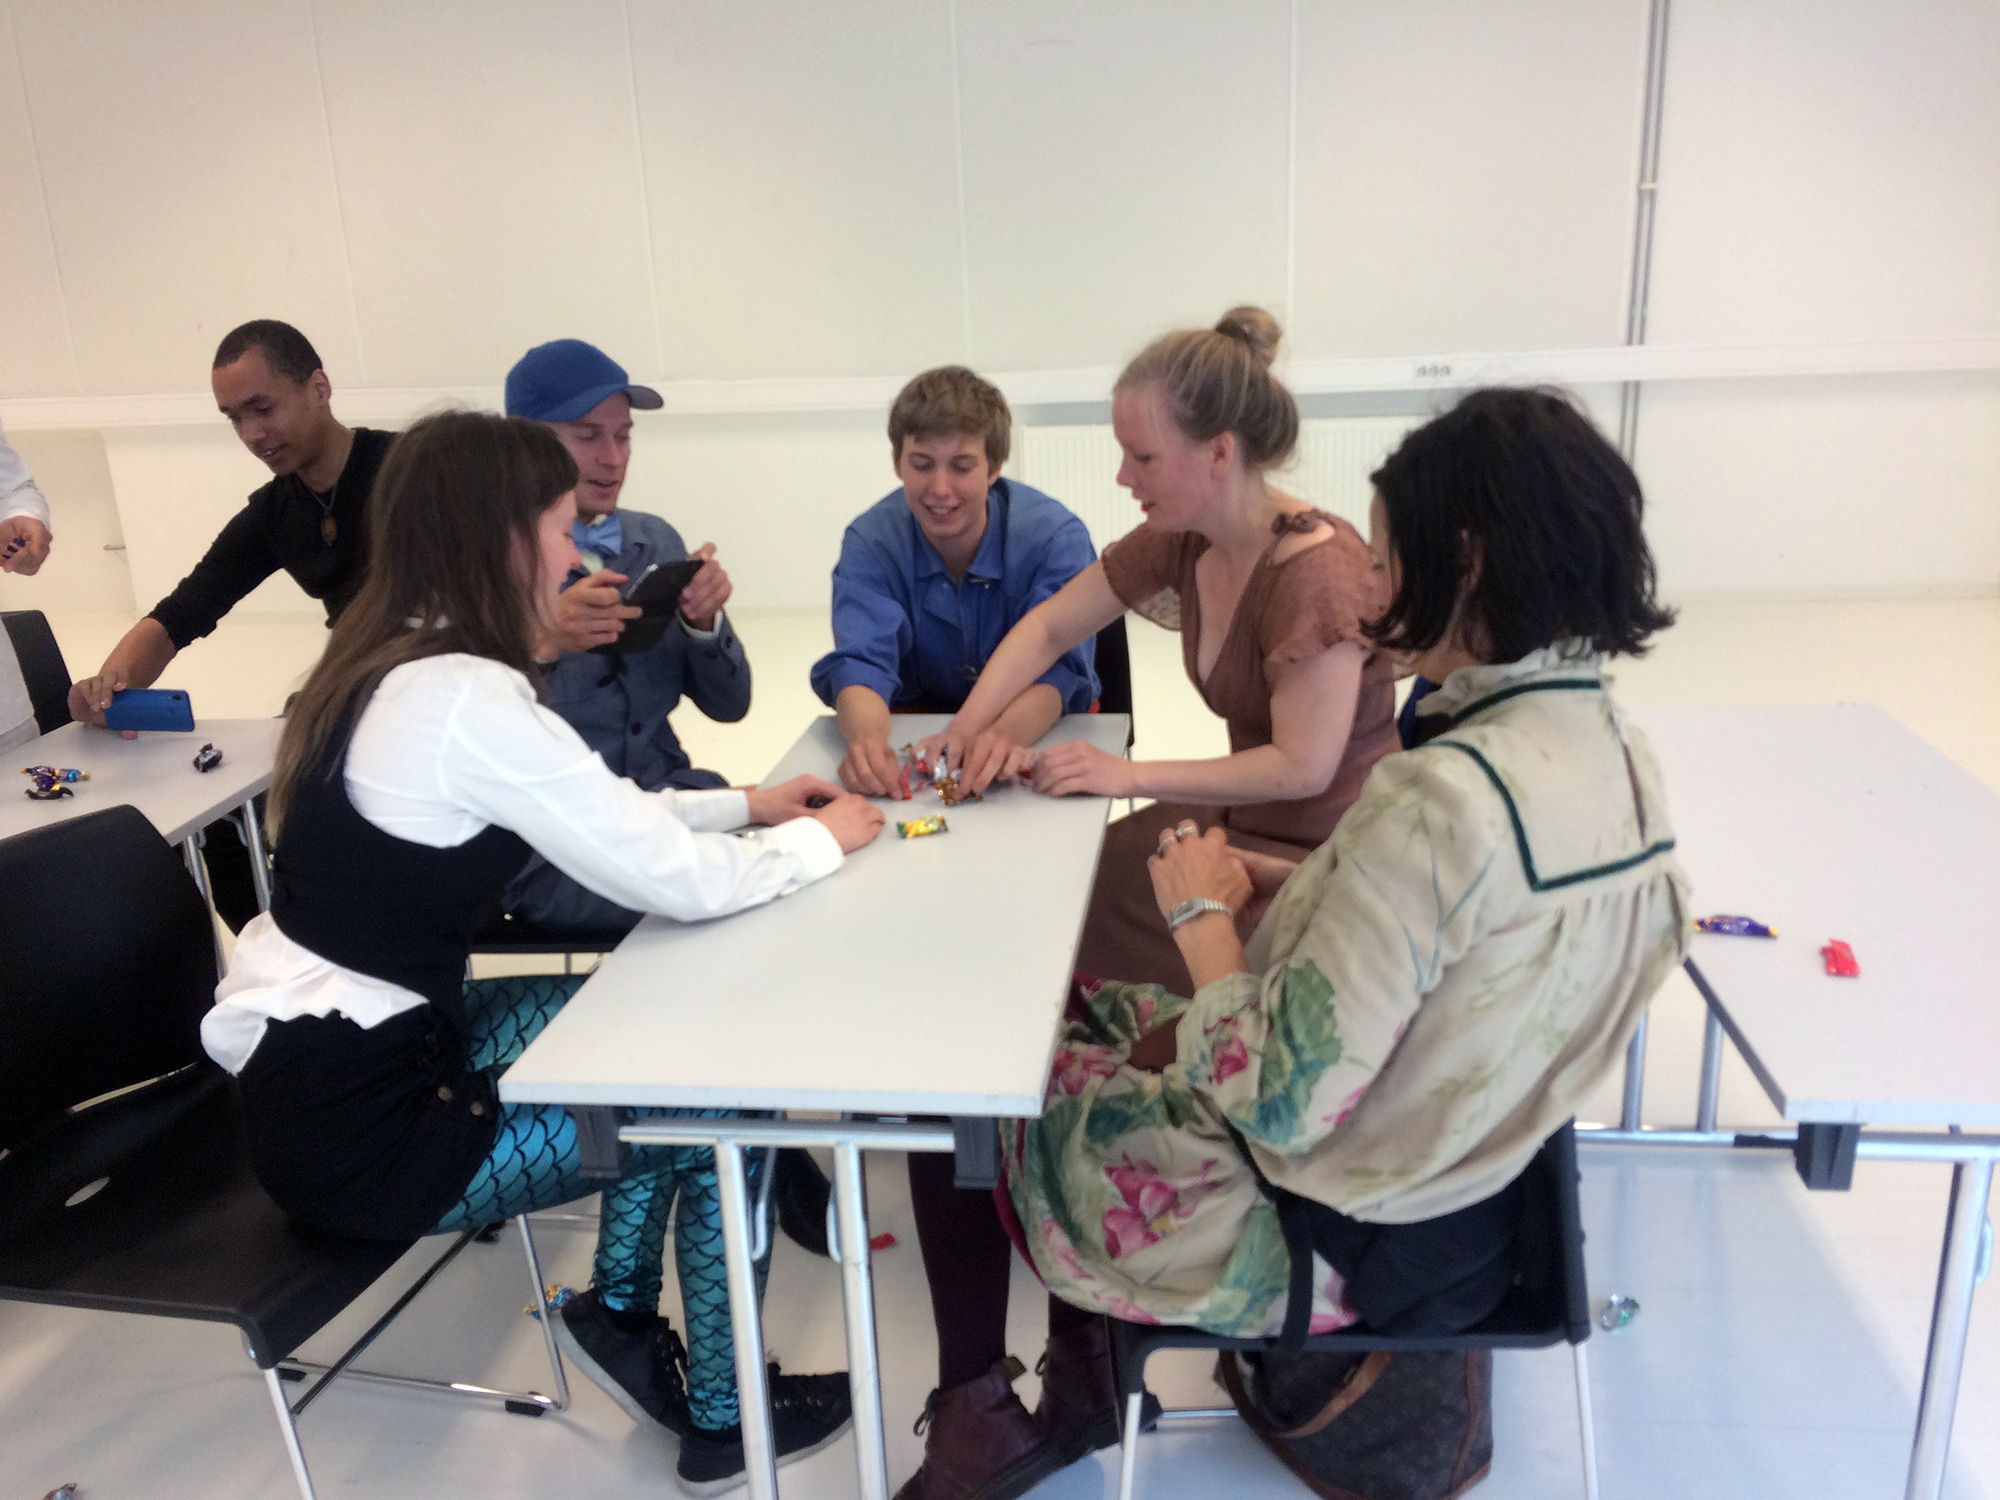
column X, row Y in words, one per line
column 619, row 701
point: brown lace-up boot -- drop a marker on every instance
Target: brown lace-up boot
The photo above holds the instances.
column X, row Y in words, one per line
column 980, row 1443
column 1079, row 1405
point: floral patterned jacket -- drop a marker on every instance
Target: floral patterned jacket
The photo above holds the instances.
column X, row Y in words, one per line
column 1443, row 982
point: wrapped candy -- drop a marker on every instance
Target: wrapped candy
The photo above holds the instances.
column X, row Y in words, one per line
column 48, row 789
column 949, row 793
column 1839, row 959
column 1734, row 927
column 50, row 773
column 207, row 758
column 916, row 828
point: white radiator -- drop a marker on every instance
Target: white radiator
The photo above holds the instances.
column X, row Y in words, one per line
column 1079, row 466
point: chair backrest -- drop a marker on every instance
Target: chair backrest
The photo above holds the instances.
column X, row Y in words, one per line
column 42, row 666
column 1114, row 670
column 110, row 964
column 1551, row 1289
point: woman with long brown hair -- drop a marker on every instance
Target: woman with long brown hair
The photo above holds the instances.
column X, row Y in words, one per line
column 416, row 773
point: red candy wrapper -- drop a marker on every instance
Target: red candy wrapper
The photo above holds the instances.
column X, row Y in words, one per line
column 882, row 1242
column 1840, row 961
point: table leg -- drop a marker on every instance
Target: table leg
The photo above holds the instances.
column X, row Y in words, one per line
column 260, row 866
column 1711, row 1072
column 1971, row 1188
column 1635, row 1078
column 864, row 1375
column 191, row 854
column 752, row 1396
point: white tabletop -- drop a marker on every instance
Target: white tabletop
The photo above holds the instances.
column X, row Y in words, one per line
column 1834, row 821
column 155, row 773
column 925, row 976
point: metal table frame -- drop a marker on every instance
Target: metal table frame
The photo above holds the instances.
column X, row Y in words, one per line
column 1824, row 1155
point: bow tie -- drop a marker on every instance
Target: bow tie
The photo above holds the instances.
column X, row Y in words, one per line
column 603, row 538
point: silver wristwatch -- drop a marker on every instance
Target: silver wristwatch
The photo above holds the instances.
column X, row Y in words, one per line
column 1194, row 906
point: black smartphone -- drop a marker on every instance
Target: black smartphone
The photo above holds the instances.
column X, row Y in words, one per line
column 656, row 591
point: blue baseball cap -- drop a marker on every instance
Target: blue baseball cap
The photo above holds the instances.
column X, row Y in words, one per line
column 561, row 381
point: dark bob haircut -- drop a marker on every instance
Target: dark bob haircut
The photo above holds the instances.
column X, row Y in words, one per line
column 1512, row 513
column 289, row 352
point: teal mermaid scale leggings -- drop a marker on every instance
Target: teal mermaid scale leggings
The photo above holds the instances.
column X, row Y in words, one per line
column 535, row 1164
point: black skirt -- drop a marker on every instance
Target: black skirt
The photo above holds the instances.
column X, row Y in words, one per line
column 371, row 1133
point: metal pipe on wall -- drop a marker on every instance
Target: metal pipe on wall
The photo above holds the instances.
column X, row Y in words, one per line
column 1640, row 294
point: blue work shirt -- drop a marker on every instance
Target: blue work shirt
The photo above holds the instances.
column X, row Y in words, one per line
column 904, row 629
column 619, row 704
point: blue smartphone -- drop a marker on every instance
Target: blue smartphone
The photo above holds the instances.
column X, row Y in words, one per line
column 150, row 708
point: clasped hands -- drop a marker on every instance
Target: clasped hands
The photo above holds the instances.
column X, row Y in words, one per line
column 852, row 820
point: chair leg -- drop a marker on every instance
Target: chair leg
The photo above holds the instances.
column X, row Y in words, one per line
column 276, row 1386
column 1585, row 1424
column 1128, row 1451
column 548, row 1317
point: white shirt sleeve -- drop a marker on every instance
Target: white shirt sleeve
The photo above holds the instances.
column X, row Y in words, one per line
column 452, row 744
column 18, row 495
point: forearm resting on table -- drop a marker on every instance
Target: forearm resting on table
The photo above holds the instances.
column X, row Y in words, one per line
column 862, row 713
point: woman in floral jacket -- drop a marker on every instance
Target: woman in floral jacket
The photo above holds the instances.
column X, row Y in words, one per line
column 1429, row 996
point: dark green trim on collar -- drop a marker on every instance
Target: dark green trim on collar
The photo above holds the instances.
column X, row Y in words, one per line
column 1535, row 881
column 1557, row 685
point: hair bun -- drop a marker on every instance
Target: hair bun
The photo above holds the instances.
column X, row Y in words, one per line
column 1254, row 327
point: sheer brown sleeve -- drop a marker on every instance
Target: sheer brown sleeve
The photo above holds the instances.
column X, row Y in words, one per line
column 1144, row 568
column 1321, row 595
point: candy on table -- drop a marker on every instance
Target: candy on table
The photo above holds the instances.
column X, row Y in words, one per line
column 1734, row 927
column 1619, row 1310
column 51, row 773
column 555, row 1296
column 913, row 772
column 882, row 1242
column 949, row 793
column 207, row 758
column 48, row 789
column 916, row 828
column 1840, row 960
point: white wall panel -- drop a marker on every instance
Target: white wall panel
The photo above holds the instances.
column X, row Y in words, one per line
column 802, row 185
column 1466, row 174
column 188, row 181
column 1124, row 171
column 1839, row 486
column 774, row 493
column 177, row 487
column 35, row 356
column 493, row 204
column 1830, row 169
column 85, row 569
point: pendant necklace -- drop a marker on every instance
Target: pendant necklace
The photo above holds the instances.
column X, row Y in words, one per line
column 327, row 529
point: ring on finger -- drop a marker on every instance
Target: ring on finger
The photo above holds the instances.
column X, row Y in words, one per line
column 1186, row 829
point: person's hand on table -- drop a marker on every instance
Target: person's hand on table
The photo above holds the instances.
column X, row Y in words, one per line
column 870, row 767
column 853, row 820
column 702, row 600
column 1079, row 767
column 798, row 798
column 590, row 613
column 993, row 756
column 24, row 544
column 89, row 698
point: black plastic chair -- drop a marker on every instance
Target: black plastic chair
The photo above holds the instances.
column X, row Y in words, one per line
column 1114, row 674
column 126, row 1185
column 1549, row 1303
column 42, row 666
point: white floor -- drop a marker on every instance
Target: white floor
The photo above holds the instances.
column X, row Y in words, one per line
column 1777, row 1353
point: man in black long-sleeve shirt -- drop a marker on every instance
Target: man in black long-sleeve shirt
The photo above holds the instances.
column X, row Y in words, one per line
column 311, row 520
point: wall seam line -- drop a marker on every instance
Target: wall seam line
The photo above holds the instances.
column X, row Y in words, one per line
column 645, row 195
column 42, row 187
column 1292, row 181
column 958, row 154
column 339, row 198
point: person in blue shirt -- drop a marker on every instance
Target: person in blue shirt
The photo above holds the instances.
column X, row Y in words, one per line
column 619, row 703
column 934, row 574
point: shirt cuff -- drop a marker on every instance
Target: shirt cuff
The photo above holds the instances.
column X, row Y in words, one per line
column 695, row 632
column 812, row 843
column 720, row 811
column 853, row 673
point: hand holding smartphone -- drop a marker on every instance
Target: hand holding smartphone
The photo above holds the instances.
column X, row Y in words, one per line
column 150, row 708
column 657, row 592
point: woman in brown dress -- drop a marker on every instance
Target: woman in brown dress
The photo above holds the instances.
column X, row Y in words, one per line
column 1269, row 596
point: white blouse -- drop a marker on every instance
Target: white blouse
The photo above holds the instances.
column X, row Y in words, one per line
column 452, row 744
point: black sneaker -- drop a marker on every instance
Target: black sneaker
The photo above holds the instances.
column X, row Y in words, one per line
column 807, row 1413
column 640, row 1370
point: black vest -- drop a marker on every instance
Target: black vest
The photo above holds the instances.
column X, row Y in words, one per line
column 381, row 905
